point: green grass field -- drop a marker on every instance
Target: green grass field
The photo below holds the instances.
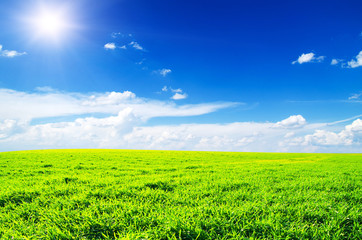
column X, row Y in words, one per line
column 115, row 194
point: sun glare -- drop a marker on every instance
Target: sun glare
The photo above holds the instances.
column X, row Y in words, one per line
column 50, row 23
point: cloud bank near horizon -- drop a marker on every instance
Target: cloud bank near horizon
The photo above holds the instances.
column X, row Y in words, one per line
column 52, row 119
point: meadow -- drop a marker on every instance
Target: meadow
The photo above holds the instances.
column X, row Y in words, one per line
column 125, row 194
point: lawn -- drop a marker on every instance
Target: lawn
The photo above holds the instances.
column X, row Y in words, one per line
column 125, row 194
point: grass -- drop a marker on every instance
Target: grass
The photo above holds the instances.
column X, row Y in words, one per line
column 117, row 194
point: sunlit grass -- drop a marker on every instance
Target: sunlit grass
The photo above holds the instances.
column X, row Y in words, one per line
column 114, row 194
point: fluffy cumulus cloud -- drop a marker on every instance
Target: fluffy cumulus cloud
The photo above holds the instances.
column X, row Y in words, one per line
column 308, row 57
column 357, row 62
column 294, row 121
column 10, row 53
column 351, row 134
column 178, row 93
column 179, row 96
column 110, row 46
column 54, row 119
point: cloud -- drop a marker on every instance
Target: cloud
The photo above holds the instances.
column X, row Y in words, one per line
column 351, row 134
column 355, row 96
column 110, row 46
column 82, row 132
column 289, row 135
column 308, row 57
column 294, row 121
column 178, row 93
column 126, row 129
column 10, row 53
column 336, row 61
column 27, row 106
column 356, row 62
column 164, row 71
column 31, row 120
column 45, row 89
column 136, row 45
column 178, row 90
column 116, row 34
column 56, row 119
column 246, row 136
column 141, row 62
column 179, row 96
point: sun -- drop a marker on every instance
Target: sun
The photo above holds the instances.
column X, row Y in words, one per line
column 50, row 23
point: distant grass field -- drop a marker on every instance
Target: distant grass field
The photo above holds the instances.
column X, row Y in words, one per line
column 116, row 194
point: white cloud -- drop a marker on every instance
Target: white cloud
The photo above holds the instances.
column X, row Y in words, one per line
column 116, row 34
column 163, row 71
column 322, row 137
column 351, row 134
column 178, row 93
column 27, row 106
column 179, row 96
column 355, row 96
column 10, row 53
column 9, row 126
column 178, row 90
column 356, row 62
column 141, row 62
column 308, row 57
column 83, row 132
column 110, row 46
column 45, row 89
column 336, row 61
column 136, row 45
column 294, row 121
column 289, row 135
column 125, row 129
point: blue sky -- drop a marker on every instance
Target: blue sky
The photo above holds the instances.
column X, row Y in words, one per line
column 121, row 70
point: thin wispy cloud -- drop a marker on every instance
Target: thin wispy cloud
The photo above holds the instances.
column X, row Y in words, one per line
column 136, row 45
column 308, row 57
column 28, row 106
column 116, row 34
column 45, row 89
column 10, row 53
column 178, row 90
column 355, row 96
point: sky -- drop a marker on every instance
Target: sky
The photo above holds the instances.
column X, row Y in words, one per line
column 265, row 76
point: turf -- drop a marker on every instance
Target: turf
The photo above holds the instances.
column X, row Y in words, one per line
column 119, row 194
